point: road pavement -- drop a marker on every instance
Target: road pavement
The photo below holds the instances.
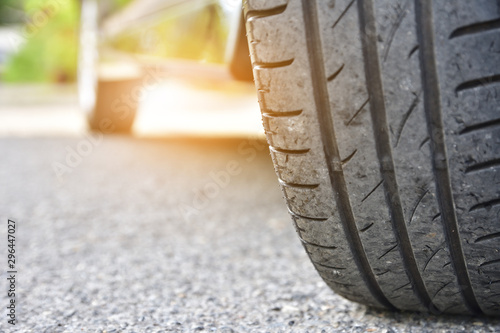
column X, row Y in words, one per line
column 165, row 234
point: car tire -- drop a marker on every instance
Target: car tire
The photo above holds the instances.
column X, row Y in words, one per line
column 116, row 105
column 240, row 66
column 383, row 121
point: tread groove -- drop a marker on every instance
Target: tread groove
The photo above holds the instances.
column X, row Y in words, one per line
column 327, row 134
column 348, row 158
column 334, row 75
column 389, row 250
column 270, row 65
column 404, row 285
column 328, row 266
column 489, row 263
column 343, row 13
column 436, row 216
column 487, row 237
column 367, row 227
column 384, row 272
column 299, row 229
column 373, row 190
column 416, row 206
column 480, row 126
column 485, row 205
column 295, row 185
column 277, row 114
column 432, row 256
column 476, row 28
column 320, row 219
column 255, row 14
column 317, row 245
column 412, row 107
column 384, row 151
column 412, row 51
column 483, row 166
column 289, row 151
column 432, row 107
column 423, row 142
column 480, row 82
column 440, row 288
column 395, row 28
column 358, row 111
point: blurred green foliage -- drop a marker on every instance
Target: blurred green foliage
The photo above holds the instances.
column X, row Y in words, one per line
column 11, row 12
column 199, row 35
column 49, row 50
column 121, row 3
column 50, row 39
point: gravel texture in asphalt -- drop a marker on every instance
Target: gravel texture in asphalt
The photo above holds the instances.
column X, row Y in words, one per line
column 119, row 234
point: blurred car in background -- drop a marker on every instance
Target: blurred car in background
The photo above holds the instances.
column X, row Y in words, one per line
column 121, row 44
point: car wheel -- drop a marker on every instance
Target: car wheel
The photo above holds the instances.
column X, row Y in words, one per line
column 108, row 94
column 383, row 121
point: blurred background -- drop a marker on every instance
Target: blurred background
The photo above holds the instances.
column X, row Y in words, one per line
column 176, row 66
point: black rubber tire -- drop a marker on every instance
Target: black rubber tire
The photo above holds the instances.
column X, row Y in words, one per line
column 116, row 105
column 383, row 120
column 240, row 66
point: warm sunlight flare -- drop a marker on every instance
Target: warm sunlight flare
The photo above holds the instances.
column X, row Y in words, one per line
column 181, row 108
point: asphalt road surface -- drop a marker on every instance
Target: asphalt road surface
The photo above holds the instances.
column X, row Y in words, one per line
column 127, row 234
column 158, row 235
